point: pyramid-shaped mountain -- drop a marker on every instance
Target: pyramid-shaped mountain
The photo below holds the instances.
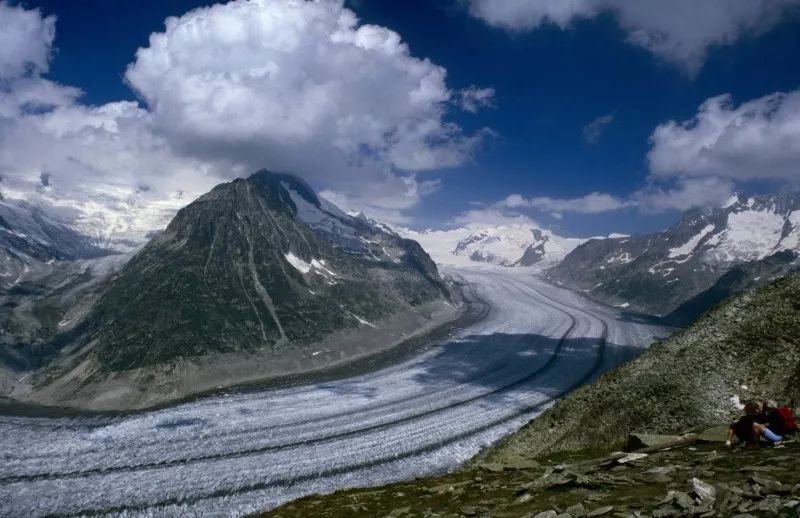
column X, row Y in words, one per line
column 257, row 262
column 257, row 268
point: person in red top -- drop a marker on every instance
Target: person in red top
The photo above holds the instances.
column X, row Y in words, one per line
column 772, row 427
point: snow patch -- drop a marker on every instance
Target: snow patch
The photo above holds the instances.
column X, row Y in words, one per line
column 750, row 235
column 319, row 264
column 622, row 258
column 733, row 200
column 299, row 265
column 688, row 247
column 362, row 321
column 326, row 218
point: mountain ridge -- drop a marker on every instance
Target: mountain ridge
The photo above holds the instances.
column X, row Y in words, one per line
column 657, row 273
column 505, row 245
column 255, row 266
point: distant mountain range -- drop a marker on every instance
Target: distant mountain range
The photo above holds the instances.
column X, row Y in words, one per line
column 500, row 245
column 707, row 255
column 264, row 266
column 28, row 235
column 261, row 270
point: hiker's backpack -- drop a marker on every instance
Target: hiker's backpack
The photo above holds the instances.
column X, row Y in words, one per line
column 787, row 415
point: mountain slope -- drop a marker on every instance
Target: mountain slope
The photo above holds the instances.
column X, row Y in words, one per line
column 30, row 231
column 256, row 266
column 657, row 273
column 28, row 236
column 500, row 245
column 238, row 270
column 746, row 348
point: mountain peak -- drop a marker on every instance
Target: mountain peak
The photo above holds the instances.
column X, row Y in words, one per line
column 276, row 182
column 260, row 263
column 515, row 244
column 658, row 273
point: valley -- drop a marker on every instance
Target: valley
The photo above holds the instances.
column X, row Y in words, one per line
column 249, row 451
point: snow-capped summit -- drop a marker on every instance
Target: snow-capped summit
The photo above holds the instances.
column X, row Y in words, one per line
column 501, row 245
column 754, row 228
column 656, row 273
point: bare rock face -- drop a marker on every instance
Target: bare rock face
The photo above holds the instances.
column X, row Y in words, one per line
column 255, row 263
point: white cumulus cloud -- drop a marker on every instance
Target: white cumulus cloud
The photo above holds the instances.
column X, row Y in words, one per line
column 299, row 86
column 683, row 194
column 592, row 203
column 284, row 84
column 679, row 31
column 474, row 98
column 25, row 41
column 595, row 129
column 756, row 140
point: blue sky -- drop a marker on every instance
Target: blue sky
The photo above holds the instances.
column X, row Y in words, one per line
column 551, row 75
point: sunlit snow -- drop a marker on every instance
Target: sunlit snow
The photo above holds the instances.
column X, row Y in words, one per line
column 688, row 247
column 300, row 265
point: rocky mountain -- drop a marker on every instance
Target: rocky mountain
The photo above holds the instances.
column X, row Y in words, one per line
column 670, row 271
column 29, row 235
column 258, row 266
column 500, row 245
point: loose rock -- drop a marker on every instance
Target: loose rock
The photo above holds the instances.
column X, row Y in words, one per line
column 601, row 511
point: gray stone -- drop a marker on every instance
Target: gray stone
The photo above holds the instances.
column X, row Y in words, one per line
column 577, row 510
column 637, row 441
column 631, row 457
column 724, row 498
column 523, row 498
column 683, row 500
column 658, row 474
column 520, row 464
column 665, row 512
column 600, row 511
column 492, row 466
column 716, row 434
column 546, row 514
column 762, row 469
column 770, row 485
column 704, row 491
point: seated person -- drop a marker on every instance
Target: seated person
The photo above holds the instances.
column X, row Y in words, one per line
column 771, row 428
column 744, row 429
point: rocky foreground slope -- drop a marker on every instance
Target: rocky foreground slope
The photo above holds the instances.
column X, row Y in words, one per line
column 747, row 347
column 699, row 480
column 257, row 278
